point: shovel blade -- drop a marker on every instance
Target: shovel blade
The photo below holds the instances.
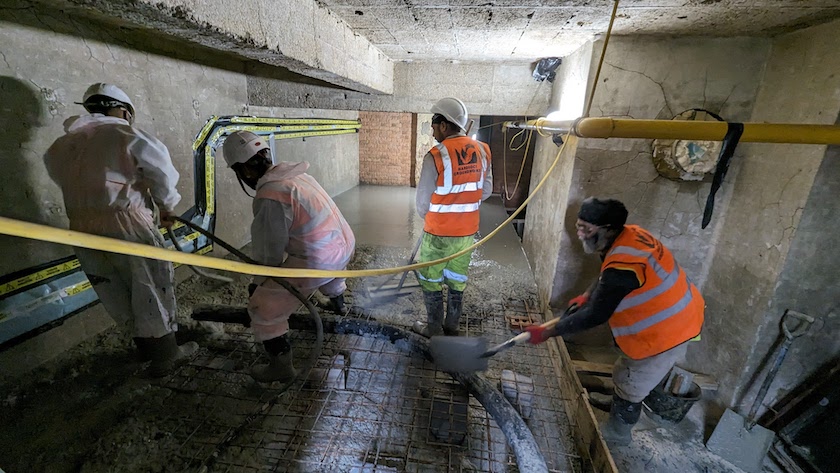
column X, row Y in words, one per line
column 744, row 448
column 459, row 354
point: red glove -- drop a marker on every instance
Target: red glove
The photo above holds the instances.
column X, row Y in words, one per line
column 538, row 333
column 580, row 300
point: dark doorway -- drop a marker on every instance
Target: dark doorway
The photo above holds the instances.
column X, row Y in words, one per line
column 513, row 156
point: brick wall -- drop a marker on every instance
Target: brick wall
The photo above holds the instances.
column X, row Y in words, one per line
column 386, row 149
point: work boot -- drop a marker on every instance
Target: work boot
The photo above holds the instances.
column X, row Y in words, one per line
column 453, row 312
column 434, row 313
column 617, row 430
column 279, row 367
column 337, row 304
column 164, row 353
column 142, row 356
column 600, row 401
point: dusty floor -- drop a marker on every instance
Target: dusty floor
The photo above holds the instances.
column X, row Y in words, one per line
column 95, row 411
column 660, row 446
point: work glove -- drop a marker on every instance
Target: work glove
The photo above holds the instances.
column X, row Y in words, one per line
column 579, row 300
column 538, row 333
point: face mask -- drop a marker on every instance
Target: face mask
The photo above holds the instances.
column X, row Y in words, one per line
column 251, row 172
column 597, row 242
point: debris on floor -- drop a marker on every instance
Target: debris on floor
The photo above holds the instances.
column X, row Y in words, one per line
column 369, row 405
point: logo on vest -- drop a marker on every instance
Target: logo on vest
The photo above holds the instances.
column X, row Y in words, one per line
column 468, row 155
column 649, row 241
column 467, row 160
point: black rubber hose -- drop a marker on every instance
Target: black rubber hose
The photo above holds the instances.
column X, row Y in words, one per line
column 520, row 438
column 200, row 272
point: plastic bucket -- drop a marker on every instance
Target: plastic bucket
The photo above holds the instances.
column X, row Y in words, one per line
column 671, row 407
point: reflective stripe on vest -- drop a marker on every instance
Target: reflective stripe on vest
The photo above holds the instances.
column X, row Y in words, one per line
column 461, row 208
column 666, row 311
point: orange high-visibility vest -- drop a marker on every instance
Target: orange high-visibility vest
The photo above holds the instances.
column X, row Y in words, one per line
column 461, row 164
column 666, row 310
column 319, row 233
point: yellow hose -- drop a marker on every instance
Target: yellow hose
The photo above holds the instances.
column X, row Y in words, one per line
column 605, row 127
column 36, row 231
column 18, row 228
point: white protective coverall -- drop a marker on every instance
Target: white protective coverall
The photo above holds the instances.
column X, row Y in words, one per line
column 109, row 173
column 294, row 216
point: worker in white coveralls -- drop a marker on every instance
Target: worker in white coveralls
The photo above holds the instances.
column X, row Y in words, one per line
column 456, row 176
column 651, row 305
column 113, row 175
column 296, row 225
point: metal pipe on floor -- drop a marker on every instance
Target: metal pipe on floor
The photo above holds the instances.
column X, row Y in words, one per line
column 606, row 127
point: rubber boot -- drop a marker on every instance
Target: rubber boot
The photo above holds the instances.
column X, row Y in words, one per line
column 337, row 304
column 143, row 356
column 434, row 314
column 617, row 430
column 453, row 312
column 164, row 353
column 280, row 366
column 600, row 401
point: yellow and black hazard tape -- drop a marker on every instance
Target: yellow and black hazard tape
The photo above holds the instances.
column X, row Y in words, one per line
column 38, row 277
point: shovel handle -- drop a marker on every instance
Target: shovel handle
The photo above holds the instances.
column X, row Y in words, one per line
column 805, row 322
column 525, row 336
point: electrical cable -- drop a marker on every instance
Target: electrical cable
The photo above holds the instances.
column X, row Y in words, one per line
column 527, row 143
column 601, row 60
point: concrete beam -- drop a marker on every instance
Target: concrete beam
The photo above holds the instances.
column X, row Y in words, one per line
column 298, row 35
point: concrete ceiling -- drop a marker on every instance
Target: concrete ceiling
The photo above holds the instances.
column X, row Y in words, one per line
column 524, row 30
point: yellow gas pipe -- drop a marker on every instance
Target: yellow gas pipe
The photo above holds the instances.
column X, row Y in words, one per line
column 606, row 127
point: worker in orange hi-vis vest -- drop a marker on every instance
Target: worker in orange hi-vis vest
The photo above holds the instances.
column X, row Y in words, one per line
column 455, row 178
column 296, row 225
column 651, row 305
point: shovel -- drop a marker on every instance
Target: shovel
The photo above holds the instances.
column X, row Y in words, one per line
column 739, row 440
column 469, row 354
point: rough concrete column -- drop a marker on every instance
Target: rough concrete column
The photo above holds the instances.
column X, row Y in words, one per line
column 546, row 221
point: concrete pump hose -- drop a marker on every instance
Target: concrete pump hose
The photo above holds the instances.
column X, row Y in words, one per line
column 520, row 438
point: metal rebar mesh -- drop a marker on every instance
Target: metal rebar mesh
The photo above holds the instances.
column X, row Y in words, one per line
column 367, row 406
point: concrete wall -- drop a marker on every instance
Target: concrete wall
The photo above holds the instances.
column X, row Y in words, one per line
column 546, row 213
column 487, row 89
column 769, row 256
column 173, row 100
column 642, row 77
column 42, row 74
column 333, row 160
column 386, row 156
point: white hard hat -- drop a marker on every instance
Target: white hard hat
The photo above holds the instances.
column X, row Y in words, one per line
column 453, row 110
column 240, row 146
column 110, row 91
